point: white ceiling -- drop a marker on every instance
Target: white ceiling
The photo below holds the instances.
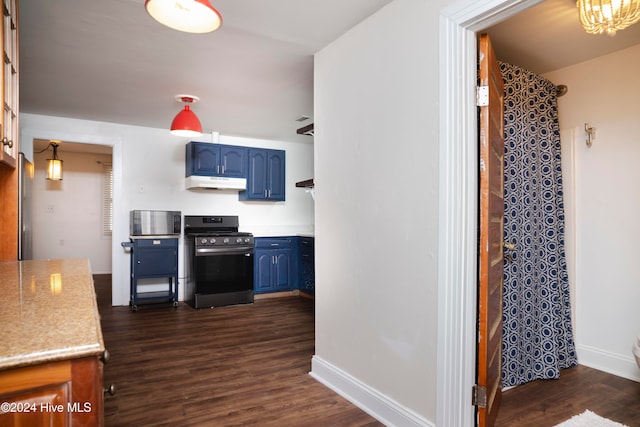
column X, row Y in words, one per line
column 107, row 60
column 549, row 36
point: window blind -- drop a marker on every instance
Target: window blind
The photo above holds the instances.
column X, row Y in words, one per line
column 107, row 199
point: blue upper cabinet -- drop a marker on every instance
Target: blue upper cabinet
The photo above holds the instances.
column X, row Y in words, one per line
column 275, row 175
column 201, row 158
column 207, row 159
column 257, row 179
column 266, row 175
column 233, row 161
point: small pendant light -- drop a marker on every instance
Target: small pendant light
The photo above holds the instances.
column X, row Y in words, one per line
column 190, row 16
column 54, row 165
column 186, row 123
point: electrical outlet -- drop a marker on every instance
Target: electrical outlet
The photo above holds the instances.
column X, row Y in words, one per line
column 140, row 188
column 50, row 209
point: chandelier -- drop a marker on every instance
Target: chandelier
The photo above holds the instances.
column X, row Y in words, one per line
column 608, row 16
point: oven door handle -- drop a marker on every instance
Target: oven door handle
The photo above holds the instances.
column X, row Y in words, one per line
column 223, row 251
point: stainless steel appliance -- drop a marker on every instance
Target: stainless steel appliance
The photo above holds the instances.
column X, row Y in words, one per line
column 25, row 185
column 218, row 262
column 154, row 223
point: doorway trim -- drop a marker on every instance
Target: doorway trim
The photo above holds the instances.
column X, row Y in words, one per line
column 119, row 226
column 458, row 202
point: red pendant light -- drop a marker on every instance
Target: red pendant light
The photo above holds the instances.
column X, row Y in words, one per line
column 190, row 16
column 186, row 123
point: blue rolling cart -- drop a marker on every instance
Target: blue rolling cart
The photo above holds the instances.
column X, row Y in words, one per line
column 153, row 258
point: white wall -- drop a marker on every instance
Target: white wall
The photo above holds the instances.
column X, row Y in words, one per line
column 154, row 159
column 604, row 92
column 376, row 154
column 67, row 214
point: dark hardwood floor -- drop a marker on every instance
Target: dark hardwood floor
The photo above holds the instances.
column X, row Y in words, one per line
column 230, row 366
column 249, row 364
column 545, row 403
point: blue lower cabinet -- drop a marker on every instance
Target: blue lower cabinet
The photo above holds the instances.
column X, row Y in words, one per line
column 284, row 264
column 273, row 269
column 306, row 265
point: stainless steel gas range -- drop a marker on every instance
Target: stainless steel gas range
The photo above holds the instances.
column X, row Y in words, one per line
column 218, row 261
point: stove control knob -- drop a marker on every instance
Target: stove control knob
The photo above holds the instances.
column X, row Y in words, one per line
column 239, row 240
column 212, row 241
column 226, row 240
column 203, row 241
column 247, row 239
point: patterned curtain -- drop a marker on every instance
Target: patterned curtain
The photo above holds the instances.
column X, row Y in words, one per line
column 537, row 336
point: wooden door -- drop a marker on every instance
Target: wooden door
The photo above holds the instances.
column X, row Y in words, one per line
column 491, row 140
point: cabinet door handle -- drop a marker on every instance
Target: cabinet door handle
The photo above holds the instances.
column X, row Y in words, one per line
column 7, row 141
column 222, row 169
column 111, row 390
column 217, row 168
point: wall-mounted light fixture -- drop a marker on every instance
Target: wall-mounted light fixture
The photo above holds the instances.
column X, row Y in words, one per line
column 54, row 164
column 190, row 16
column 186, row 123
column 608, row 16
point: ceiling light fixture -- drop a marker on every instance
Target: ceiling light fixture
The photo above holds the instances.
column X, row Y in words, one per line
column 190, row 16
column 186, row 123
column 54, row 165
column 608, row 16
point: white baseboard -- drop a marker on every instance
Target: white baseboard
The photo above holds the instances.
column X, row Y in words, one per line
column 379, row 406
column 612, row 363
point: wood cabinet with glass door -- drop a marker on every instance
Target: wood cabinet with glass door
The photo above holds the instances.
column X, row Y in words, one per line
column 9, row 146
column 10, row 83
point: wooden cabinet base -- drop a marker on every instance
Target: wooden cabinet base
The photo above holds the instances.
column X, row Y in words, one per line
column 62, row 393
column 8, row 214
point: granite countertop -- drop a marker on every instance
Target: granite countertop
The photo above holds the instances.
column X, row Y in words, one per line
column 48, row 312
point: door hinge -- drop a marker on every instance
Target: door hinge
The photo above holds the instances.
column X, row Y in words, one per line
column 479, row 396
column 482, row 96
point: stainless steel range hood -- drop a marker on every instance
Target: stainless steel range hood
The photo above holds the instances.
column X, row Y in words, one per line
column 215, row 183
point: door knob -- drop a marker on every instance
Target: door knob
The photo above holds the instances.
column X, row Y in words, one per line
column 508, row 245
